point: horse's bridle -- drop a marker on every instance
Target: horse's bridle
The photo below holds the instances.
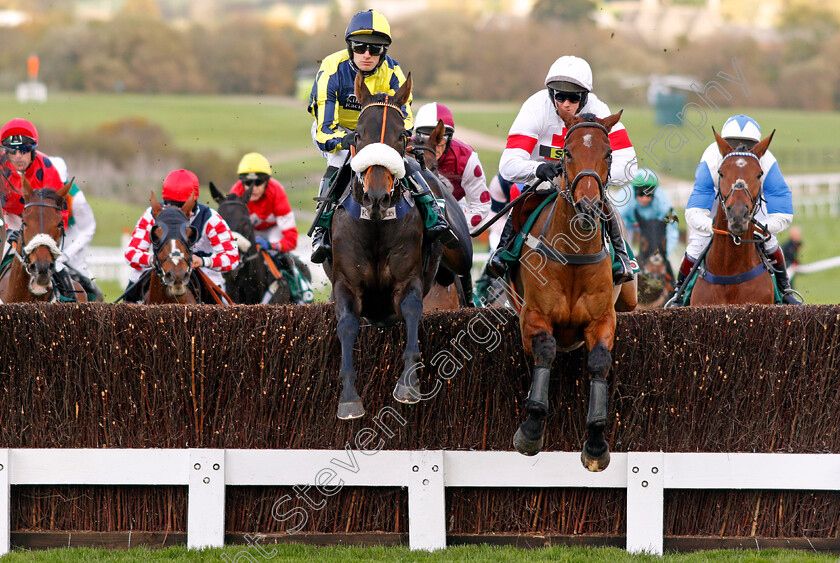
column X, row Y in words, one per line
column 738, row 186
column 385, row 104
column 55, row 247
column 175, row 253
column 568, row 194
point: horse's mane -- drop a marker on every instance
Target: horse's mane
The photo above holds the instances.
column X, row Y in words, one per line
column 591, row 117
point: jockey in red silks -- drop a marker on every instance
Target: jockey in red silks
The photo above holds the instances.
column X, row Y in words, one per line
column 19, row 139
column 270, row 212
column 457, row 162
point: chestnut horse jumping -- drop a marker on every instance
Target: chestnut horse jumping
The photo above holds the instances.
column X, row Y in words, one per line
column 570, row 299
column 30, row 278
column 734, row 271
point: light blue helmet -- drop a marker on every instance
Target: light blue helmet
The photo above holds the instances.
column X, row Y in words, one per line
column 741, row 127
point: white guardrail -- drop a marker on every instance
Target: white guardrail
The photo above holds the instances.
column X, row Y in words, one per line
column 425, row 473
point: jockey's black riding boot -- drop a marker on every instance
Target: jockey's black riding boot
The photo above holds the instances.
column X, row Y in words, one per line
column 424, row 198
column 624, row 272
column 64, row 284
column 680, row 281
column 321, row 246
column 783, row 280
column 496, row 266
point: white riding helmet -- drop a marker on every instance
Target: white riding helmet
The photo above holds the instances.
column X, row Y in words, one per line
column 569, row 69
column 60, row 167
column 741, row 127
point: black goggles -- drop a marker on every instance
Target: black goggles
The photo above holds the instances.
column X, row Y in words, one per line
column 560, row 96
column 360, row 48
column 252, row 183
column 19, row 149
column 423, row 137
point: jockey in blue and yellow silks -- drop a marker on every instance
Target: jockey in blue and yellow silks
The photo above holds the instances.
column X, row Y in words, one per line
column 335, row 108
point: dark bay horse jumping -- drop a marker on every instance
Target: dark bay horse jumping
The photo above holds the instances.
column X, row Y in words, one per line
column 734, row 271
column 30, row 277
column 380, row 268
column 570, row 299
column 172, row 238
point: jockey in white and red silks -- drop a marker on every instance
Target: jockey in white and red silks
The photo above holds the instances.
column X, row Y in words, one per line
column 534, row 149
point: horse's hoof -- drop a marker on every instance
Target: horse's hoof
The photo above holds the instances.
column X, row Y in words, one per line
column 406, row 394
column 525, row 445
column 351, row 410
column 595, row 464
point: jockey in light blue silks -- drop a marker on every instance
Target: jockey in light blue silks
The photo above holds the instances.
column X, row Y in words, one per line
column 775, row 210
column 643, row 198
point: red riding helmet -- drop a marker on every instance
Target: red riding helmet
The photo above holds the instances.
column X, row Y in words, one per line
column 179, row 185
column 19, row 131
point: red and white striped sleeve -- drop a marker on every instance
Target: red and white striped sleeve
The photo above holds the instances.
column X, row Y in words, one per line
column 225, row 252
column 139, row 250
column 285, row 220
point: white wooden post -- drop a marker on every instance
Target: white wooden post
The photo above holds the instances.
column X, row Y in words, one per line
column 645, row 502
column 426, row 501
column 5, row 501
column 206, row 504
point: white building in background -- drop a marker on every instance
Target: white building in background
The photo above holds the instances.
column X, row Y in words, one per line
column 13, row 18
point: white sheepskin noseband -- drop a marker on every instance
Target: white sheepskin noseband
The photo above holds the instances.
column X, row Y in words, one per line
column 379, row 154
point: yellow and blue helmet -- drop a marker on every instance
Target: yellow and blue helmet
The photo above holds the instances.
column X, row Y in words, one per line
column 369, row 27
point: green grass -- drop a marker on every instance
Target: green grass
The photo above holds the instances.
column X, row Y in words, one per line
column 293, row 552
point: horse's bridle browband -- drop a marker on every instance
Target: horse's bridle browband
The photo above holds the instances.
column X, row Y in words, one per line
column 157, row 264
column 41, row 204
column 568, row 195
column 738, row 185
column 385, row 104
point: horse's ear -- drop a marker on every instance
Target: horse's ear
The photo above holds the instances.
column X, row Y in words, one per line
column 361, row 89
column 215, row 193
column 188, row 206
column 723, row 145
column 156, row 206
column 246, row 197
column 27, row 187
column 609, row 122
column 403, row 93
column 437, row 134
column 761, row 147
column 65, row 189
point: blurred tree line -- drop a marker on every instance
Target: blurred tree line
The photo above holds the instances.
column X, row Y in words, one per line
column 451, row 55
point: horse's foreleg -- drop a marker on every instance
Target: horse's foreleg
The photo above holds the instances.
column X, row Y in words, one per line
column 411, row 308
column 528, row 439
column 349, row 404
column 596, row 451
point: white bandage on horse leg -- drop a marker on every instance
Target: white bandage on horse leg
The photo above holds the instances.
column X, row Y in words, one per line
column 379, row 154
